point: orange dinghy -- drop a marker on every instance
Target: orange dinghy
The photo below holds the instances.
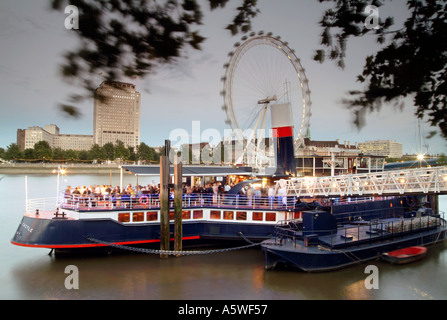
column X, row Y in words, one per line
column 405, row 255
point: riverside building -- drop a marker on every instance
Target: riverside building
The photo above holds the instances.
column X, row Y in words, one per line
column 27, row 138
column 386, row 148
column 116, row 114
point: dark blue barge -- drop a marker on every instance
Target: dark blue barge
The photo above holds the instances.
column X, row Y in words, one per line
column 206, row 219
column 323, row 241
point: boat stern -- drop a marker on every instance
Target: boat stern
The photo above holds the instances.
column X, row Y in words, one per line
column 43, row 230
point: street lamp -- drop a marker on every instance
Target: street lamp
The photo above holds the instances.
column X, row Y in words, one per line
column 420, row 158
column 60, row 171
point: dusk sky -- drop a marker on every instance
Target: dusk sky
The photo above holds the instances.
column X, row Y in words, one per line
column 33, row 39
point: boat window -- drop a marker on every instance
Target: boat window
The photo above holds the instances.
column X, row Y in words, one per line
column 228, row 215
column 215, row 214
column 257, row 216
column 241, row 215
column 197, row 214
column 186, row 215
column 152, row 216
column 138, row 216
column 124, row 217
column 270, row 216
column 296, row 215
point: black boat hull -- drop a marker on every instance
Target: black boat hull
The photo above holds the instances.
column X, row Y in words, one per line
column 72, row 235
column 323, row 259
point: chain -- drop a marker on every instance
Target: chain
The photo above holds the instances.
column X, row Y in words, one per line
column 176, row 253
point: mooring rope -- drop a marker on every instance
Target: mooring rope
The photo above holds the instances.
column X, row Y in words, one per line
column 172, row 252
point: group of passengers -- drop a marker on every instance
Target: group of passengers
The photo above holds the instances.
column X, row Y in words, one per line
column 107, row 192
column 210, row 193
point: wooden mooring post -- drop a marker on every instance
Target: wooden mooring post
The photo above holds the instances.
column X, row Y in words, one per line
column 178, row 209
column 164, row 200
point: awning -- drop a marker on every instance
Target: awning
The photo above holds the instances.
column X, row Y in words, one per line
column 204, row 171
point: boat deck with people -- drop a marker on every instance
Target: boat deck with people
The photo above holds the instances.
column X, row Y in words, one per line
column 68, row 222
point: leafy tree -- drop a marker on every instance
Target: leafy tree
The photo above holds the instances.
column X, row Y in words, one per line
column 71, row 155
column 97, row 153
column 29, row 154
column 109, row 151
column 130, row 38
column 13, row 152
column 145, row 152
column 411, row 63
column 42, row 150
column 83, row 155
column 121, row 151
column 58, row 154
column 132, row 154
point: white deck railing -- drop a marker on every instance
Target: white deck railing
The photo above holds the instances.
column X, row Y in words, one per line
column 398, row 182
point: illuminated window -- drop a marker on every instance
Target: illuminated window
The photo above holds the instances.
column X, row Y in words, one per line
column 152, row 216
column 197, row 214
column 257, row 216
column 228, row 215
column 215, row 215
column 241, row 215
column 138, row 216
column 124, row 217
column 270, row 216
column 186, row 215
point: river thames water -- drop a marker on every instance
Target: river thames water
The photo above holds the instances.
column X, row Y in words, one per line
column 32, row 274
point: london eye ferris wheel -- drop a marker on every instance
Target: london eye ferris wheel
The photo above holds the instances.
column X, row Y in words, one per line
column 262, row 71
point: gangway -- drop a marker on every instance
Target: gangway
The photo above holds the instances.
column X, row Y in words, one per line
column 431, row 180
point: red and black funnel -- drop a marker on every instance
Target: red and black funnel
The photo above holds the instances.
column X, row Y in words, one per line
column 282, row 127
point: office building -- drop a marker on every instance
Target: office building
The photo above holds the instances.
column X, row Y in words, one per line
column 116, row 114
column 387, row 148
column 27, row 138
column 36, row 134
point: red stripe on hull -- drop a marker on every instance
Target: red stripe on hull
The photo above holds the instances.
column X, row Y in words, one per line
column 282, row 132
column 94, row 245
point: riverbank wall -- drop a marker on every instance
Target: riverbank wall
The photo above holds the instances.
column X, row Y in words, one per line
column 29, row 169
